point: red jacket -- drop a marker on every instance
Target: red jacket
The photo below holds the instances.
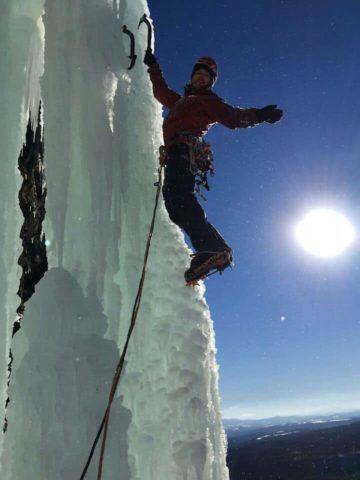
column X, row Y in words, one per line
column 196, row 112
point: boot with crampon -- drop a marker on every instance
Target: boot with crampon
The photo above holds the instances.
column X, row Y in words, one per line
column 204, row 264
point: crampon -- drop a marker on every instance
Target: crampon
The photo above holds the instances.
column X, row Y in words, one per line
column 214, row 262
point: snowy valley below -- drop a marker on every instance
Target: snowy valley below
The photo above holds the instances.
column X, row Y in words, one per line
column 314, row 447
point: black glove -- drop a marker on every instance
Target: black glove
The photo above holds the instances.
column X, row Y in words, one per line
column 270, row 114
column 149, row 58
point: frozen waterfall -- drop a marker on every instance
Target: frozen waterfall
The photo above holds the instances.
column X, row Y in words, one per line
column 102, row 132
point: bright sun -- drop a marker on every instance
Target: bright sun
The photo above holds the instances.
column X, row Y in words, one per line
column 324, row 233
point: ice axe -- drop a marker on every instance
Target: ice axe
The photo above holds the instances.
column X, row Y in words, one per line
column 144, row 19
column 132, row 55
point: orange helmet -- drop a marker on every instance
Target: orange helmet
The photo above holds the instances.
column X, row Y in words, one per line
column 208, row 64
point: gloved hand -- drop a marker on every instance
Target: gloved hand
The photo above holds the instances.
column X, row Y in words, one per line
column 149, row 58
column 270, row 114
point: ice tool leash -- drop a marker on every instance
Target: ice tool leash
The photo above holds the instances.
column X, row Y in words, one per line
column 103, row 429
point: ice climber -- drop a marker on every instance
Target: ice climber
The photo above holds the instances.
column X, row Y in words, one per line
column 187, row 157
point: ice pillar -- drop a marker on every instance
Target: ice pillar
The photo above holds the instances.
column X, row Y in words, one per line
column 102, row 131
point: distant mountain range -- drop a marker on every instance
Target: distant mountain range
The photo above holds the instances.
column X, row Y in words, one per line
column 235, row 425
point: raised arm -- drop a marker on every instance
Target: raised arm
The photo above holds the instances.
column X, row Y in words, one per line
column 165, row 95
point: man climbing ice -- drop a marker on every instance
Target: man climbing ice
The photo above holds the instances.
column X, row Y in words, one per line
column 187, row 157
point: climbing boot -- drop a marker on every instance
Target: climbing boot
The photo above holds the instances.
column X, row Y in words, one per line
column 204, row 264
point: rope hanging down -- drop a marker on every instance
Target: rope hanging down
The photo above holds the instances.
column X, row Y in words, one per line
column 105, row 421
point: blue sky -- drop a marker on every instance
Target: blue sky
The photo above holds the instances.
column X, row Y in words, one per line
column 287, row 323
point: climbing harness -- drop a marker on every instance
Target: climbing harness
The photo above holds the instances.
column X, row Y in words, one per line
column 125, row 30
column 201, row 159
column 201, row 156
column 105, row 421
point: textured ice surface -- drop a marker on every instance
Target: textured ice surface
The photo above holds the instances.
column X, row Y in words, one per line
column 102, row 132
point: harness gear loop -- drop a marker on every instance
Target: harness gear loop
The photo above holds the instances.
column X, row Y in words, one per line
column 106, row 418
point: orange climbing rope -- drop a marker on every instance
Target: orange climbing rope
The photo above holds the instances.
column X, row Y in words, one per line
column 105, row 421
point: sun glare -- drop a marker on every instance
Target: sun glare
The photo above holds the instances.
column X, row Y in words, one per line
column 324, row 233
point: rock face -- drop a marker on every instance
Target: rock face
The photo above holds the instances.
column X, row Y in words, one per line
column 32, row 196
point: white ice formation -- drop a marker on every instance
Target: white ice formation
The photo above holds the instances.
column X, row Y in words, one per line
column 102, row 132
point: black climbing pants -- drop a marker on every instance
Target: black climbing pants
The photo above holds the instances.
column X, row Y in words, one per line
column 182, row 204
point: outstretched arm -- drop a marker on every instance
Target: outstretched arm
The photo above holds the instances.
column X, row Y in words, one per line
column 165, row 95
column 235, row 117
